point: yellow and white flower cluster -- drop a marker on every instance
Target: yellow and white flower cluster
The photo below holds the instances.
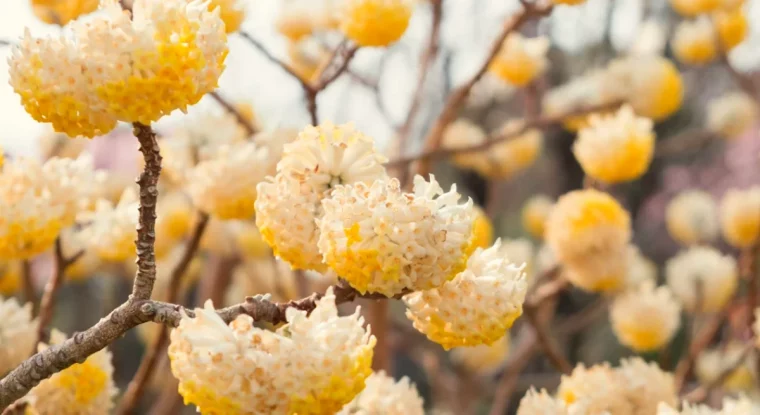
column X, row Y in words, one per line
column 521, row 60
column 61, row 12
column 381, row 239
column 18, row 333
column 315, row 364
column 38, row 200
column 732, row 114
column 645, row 318
column 116, row 68
column 111, row 230
column 692, row 218
column 477, row 307
column 589, row 232
column 634, row 388
column 375, row 22
column 616, row 148
column 383, row 395
column 85, row 388
column 740, row 217
column 712, row 363
column 702, row 279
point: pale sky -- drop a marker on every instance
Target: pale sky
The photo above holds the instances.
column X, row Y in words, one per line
column 277, row 100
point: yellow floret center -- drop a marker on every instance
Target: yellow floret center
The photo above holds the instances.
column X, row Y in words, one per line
column 629, row 163
column 86, row 380
column 376, row 22
column 27, row 238
column 207, row 401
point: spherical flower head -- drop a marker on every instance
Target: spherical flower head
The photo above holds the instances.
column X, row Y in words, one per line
column 515, row 154
column 732, row 114
column 382, row 240
column 462, row 134
column 29, row 223
column 62, row 12
column 540, row 403
column 640, row 269
column 18, row 333
column 646, row 385
column 589, row 89
column 231, row 12
column 692, row 218
column 10, row 277
column 333, row 357
column 702, row 275
column 275, row 141
column 383, row 395
column 375, row 22
column 617, row 148
column 482, row 229
column 248, row 240
column 695, row 42
column 535, row 213
column 111, row 229
column 732, row 27
column 594, row 391
column 651, row 84
column 740, row 217
column 712, row 363
column 521, row 60
column 647, row 318
column 295, row 20
column 584, row 222
column 307, row 57
column 484, row 360
column 84, row 388
column 477, row 307
column 520, row 252
column 226, row 185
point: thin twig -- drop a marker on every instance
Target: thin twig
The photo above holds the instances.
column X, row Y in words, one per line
column 702, row 392
column 518, row 361
column 582, row 319
column 151, row 356
column 532, row 306
column 699, row 343
column 249, row 128
column 455, row 101
column 264, row 51
column 47, row 304
column 27, row 279
column 540, row 122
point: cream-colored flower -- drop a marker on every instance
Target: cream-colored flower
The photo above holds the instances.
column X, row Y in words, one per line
column 383, row 240
column 513, row 155
column 740, row 216
column 52, row 144
column 482, row 229
column 72, row 243
column 702, row 278
column 111, row 67
column 646, row 385
column 313, row 365
column 651, row 84
column 712, row 363
column 308, row 57
column 587, row 90
column 317, row 161
column 61, row 12
column 10, row 277
column 111, row 230
column 262, row 276
column 175, row 218
column 546, row 259
column 85, row 388
column 248, row 239
column 375, row 22
column 295, row 20
column 645, row 318
column 383, row 395
column 604, row 270
column 732, row 26
column 463, row 134
column 521, row 60
column 640, row 269
column 535, row 213
column 477, row 307
column 692, row 218
column 616, row 148
column 695, row 42
column 596, row 390
column 520, row 251
column 231, row 12
column 218, row 238
column 18, row 333
column 484, row 360
column 274, row 141
column 540, row 403
column 732, row 114
column 741, row 406
column 226, row 185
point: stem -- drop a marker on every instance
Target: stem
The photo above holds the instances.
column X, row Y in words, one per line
column 378, row 320
column 47, row 304
column 154, row 352
column 146, row 228
column 508, row 381
column 27, row 279
column 249, row 128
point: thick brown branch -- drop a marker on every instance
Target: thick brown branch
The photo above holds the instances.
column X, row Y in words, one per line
column 249, row 128
column 47, row 304
column 146, row 227
column 457, row 99
column 153, row 353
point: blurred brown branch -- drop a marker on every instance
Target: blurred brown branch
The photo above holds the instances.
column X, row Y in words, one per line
column 47, row 304
column 247, row 125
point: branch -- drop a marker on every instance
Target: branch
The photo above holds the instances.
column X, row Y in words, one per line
column 539, row 122
column 249, row 128
column 152, row 355
column 547, row 291
column 434, row 138
column 47, row 304
column 27, row 281
column 146, row 228
column 701, row 393
column 508, row 381
column 699, row 343
column 264, row 51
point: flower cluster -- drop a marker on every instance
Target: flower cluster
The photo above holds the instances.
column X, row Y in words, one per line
column 315, row 364
column 116, row 68
column 646, row 318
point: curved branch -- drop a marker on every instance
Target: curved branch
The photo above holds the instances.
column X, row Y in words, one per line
column 60, row 264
